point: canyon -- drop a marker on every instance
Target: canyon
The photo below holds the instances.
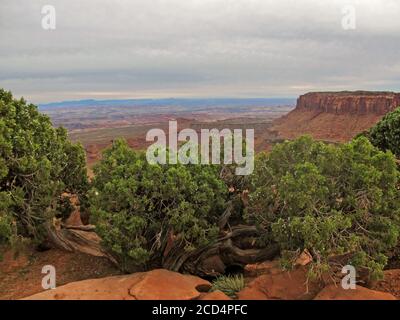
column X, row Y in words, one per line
column 327, row 116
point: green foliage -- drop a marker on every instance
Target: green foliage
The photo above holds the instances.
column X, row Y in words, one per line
column 328, row 199
column 230, row 285
column 37, row 164
column 138, row 208
column 386, row 133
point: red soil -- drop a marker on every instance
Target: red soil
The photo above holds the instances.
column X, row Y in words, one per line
column 22, row 276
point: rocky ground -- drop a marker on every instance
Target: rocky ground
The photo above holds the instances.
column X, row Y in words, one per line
column 80, row 276
column 21, row 276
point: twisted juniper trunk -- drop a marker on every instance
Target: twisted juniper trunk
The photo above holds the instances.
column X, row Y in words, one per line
column 77, row 238
column 225, row 249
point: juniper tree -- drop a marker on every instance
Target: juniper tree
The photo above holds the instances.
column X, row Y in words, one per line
column 328, row 199
column 37, row 165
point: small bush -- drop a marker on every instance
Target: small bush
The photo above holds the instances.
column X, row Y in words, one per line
column 230, row 285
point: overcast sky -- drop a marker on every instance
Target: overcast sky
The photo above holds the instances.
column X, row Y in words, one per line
column 107, row 49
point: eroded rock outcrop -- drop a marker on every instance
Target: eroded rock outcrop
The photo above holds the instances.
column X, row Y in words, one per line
column 335, row 116
column 358, row 102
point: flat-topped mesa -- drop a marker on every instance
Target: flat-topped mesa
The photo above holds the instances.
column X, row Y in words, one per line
column 335, row 116
column 349, row 102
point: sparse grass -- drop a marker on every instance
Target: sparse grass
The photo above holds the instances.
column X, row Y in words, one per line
column 230, row 285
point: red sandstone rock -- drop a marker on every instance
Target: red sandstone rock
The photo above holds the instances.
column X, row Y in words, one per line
column 335, row 116
column 333, row 292
column 162, row 284
column 358, row 102
column 252, row 294
column 281, row 285
column 390, row 283
column 156, row 284
column 215, row 295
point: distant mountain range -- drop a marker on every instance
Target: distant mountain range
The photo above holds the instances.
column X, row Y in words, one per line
column 196, row 103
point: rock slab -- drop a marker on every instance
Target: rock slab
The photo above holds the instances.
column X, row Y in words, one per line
column 333, row 292
column 157, row 284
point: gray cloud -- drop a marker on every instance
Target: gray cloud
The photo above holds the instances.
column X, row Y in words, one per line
column 164, row 48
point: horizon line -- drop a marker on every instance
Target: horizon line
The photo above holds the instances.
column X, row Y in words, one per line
column 166, row 98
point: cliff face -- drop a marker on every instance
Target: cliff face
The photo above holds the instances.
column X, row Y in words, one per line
column 359, row 102
column 336, row 116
